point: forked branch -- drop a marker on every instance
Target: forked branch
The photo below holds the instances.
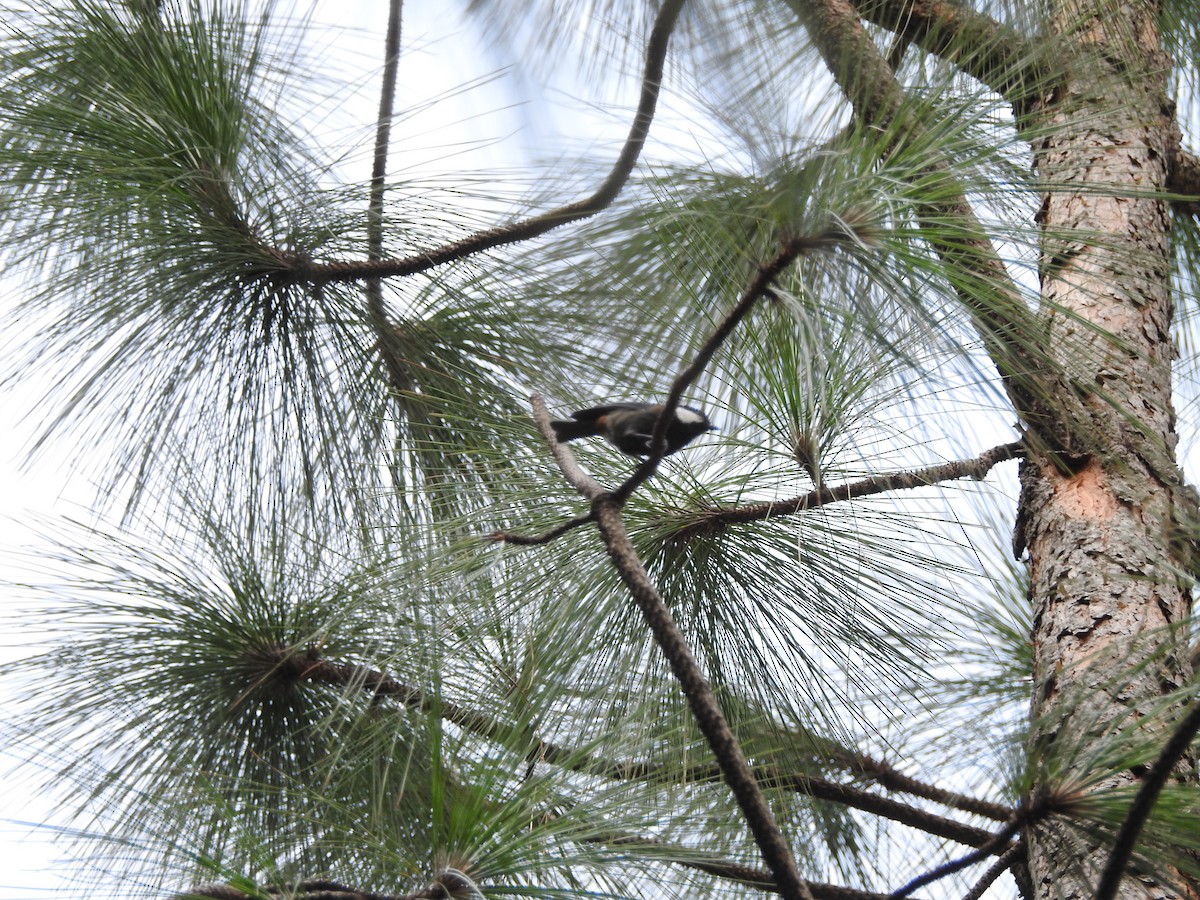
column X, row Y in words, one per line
column 656, row 54
column 701, row 700
column 759, row 287
column 997, row 55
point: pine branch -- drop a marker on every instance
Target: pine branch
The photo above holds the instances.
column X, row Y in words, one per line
column 1010, row 332
column 311, row 667
column 702, row 701
column 884, row 807
column 685, row 857
column 976, row 468
column 1143, row 804
column 997, row 55
column 656, row 52
column 885, row 774
column 759, row 287
column 998, row 840
column 855, row 797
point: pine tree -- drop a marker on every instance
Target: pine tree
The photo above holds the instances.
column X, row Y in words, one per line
column 364, row 628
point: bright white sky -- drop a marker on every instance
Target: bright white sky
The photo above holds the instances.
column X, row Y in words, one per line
column 500, row 122
column 441, row 51
column 503, row 123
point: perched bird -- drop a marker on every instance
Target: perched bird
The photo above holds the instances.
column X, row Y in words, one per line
column 630, row 426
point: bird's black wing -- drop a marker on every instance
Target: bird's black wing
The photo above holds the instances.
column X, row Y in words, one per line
column 594, row 412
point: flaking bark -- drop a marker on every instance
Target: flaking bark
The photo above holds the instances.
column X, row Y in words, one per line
column 1101, row 528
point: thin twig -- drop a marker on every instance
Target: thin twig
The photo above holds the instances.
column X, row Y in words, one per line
column 1003, row 863
column 656, row 53
column 1143, row 803
column 533, row 540
column 702, row 701
column 895, row 53
column 975, row 468
column 998, row 840
column 588, row 486
column 759, row 287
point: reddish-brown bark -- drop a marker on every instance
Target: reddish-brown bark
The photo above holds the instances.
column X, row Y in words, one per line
column 1101, row 524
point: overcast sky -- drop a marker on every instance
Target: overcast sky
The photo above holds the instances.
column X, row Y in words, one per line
column 482, row 126
column 502, row 120
column 475, row 108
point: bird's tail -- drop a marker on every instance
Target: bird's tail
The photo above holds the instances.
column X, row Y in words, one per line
column 568, row 430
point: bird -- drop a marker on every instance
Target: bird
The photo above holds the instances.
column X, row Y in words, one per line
column 630, row 426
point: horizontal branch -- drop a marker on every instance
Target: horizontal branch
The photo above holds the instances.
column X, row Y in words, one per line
column 313, row 889
column 685, row 857
column 310, row 667
column 1183, row 178
column 729, row 870
column 759, row 287
column 975, row 468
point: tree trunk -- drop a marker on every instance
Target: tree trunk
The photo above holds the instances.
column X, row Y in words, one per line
column 1099, row 521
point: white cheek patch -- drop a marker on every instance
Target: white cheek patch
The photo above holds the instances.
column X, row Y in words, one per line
column 688, row 416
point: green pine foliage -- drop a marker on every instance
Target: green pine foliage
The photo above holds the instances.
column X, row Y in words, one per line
column 300, row 661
